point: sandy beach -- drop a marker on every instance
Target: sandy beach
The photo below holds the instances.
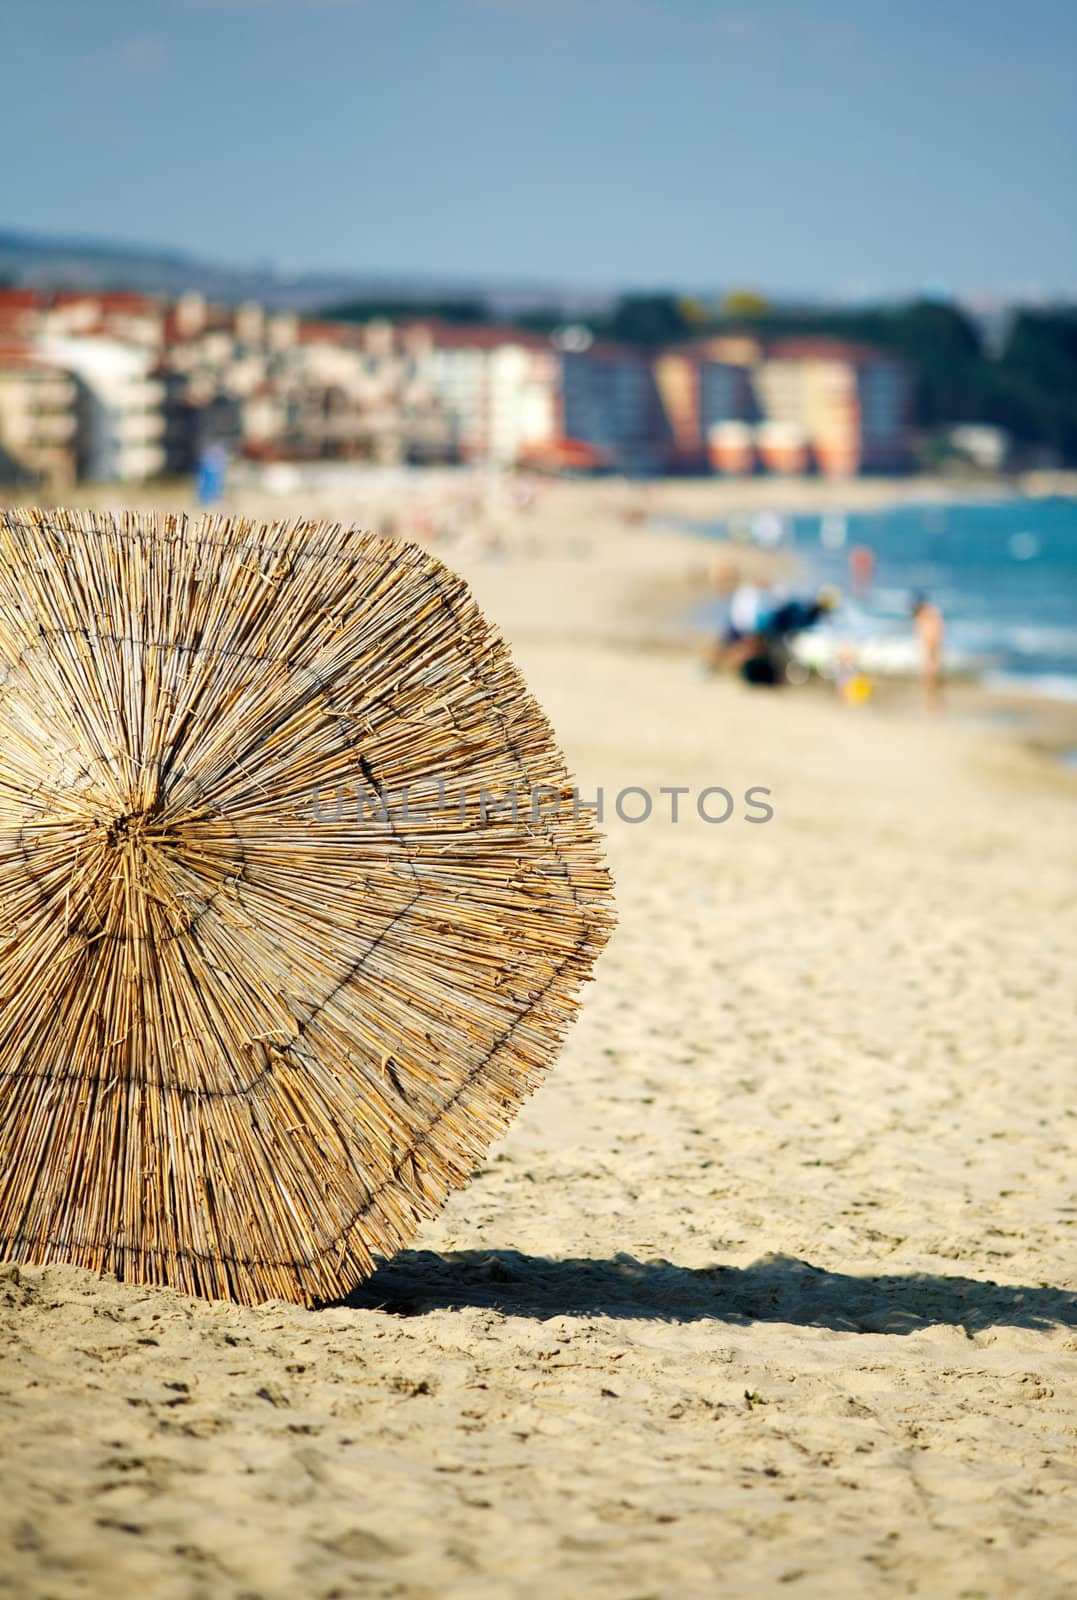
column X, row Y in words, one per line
column 770, row 1289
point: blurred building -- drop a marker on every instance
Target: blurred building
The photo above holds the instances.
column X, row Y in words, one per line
column 20, row 313
column 498, row 385
column 159, row 383
column 840, row 407
column 742, row 404
column 982, row 445
column 131, row 318
column 38, row 420
column 610, row 400
column 199, row 415
column 710, row 403
column 119, row 406
column 731, row 448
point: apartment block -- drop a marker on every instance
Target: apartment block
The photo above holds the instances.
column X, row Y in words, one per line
column 708, row 397
column 38, row 419
column 498, row 385
column 842, row 407
column 119, row 406
column 610, row 400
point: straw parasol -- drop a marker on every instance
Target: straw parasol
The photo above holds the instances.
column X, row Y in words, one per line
column 274, row 969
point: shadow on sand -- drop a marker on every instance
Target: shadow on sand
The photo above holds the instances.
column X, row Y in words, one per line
column 773, row 1289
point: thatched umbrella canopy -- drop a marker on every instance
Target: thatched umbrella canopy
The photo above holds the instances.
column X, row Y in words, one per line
column 267, row 991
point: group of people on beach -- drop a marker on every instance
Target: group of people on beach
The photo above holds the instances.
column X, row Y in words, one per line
column 762, row 621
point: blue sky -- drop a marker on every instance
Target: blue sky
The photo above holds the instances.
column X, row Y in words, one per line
column 831, row 145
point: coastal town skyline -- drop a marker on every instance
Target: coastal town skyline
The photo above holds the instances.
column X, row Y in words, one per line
column 106, row 387
column 848, row 152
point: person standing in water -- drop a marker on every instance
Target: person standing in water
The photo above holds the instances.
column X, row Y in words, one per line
column 930, row 631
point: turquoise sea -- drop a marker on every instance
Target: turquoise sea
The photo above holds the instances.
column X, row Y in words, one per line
column 1004, row 573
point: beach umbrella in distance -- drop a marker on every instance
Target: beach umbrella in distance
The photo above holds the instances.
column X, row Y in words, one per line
column 295, row 900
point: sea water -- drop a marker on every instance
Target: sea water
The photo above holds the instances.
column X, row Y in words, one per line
column 1003, row 573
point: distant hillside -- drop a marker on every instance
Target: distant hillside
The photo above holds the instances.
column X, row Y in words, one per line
column 48, row 261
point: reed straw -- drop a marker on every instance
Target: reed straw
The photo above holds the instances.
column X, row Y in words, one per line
column 267, row 994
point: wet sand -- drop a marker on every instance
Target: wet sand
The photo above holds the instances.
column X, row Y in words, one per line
column 769, row 1290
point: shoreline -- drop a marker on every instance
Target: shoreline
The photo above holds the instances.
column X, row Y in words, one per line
column 705, row 499
column 1043, row 723
column 658, row 570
